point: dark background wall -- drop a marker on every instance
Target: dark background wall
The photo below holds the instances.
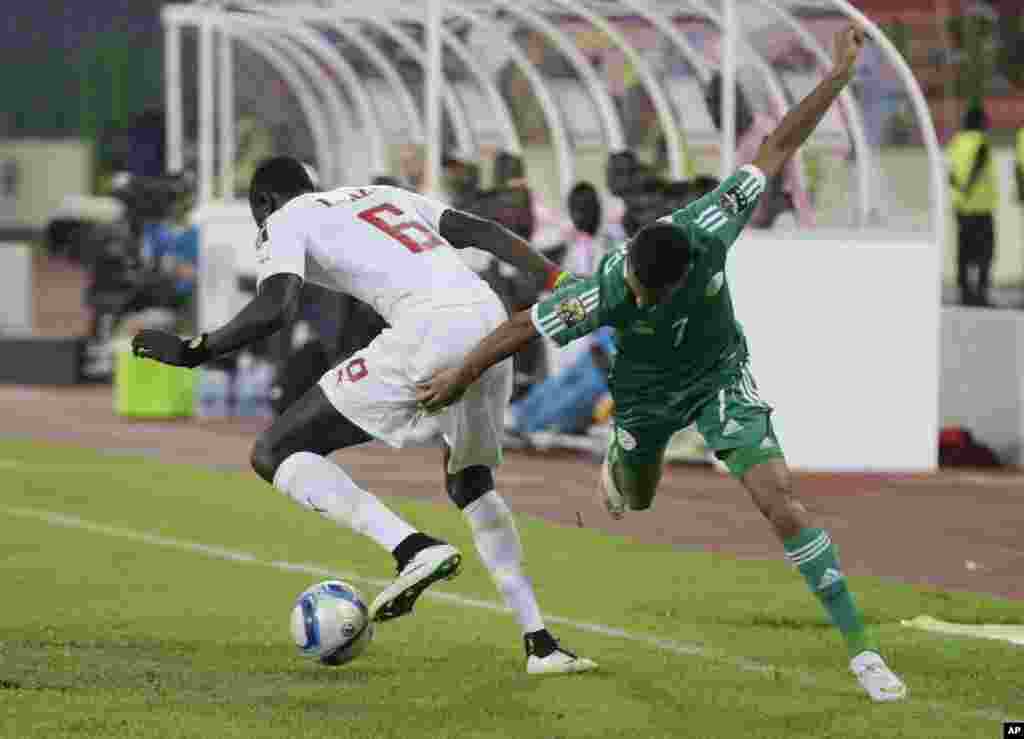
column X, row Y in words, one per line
column 72, row 68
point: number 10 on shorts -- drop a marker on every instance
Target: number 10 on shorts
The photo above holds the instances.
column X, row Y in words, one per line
column 353, row 370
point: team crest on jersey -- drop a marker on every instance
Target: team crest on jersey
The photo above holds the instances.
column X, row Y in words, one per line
column 571, row 311
column 733, row 201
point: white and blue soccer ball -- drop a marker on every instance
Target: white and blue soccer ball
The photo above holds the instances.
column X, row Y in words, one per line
column 331, row 622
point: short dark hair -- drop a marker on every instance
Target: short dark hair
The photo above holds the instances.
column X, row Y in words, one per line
column 282, row 176
column 659, row 254
column 976, row 119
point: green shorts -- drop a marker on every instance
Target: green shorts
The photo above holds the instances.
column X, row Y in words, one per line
column 734, row 421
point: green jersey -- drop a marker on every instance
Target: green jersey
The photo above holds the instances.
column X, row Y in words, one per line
column 675, row 354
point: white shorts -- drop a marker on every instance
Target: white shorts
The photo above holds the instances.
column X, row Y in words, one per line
column 375, row 388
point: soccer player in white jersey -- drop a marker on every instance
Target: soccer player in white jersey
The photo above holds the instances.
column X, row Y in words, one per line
column 392, row 249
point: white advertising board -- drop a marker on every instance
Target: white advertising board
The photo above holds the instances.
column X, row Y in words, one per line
column 844, row 340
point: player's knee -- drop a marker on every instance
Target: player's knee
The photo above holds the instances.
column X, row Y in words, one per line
column 639, row 500
column 264, row 459
column 785, row 515
column 469, row 485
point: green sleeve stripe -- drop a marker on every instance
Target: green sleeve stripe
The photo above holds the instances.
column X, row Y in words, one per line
column 535, row 318
column 707, row 212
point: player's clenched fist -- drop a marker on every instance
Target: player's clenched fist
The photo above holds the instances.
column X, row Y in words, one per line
column 170, row 349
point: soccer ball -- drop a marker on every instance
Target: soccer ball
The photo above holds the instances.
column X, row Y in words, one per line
column 330, row 622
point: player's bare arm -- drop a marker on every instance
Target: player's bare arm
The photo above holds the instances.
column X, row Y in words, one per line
column 447, row 386
column 800, row 122
column 272, row 309
column 463, row 230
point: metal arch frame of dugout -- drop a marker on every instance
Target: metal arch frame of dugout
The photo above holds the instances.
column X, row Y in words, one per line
column 342, row 23
column 551, row 111
column 336, row 112
column 289, row 71
column 463, row 131
column 602, row 99
column 611, row 123
column 506, row 123
column 774, row 84
column 662, row 108
column 862, row 150
column 369, row 11
column 304, row 95
column 316, row 46
column 287, row 54
column 390, row 74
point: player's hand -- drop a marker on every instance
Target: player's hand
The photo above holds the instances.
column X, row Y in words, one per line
column 848, row 44
column 170, row 349
column 441, row 390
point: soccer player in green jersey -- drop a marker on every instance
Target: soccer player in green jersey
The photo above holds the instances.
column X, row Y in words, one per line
column 682, row 359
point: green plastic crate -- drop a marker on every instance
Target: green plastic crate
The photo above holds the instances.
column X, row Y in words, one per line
column 147, row 389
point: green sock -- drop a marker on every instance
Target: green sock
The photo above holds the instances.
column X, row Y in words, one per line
column 814, row 555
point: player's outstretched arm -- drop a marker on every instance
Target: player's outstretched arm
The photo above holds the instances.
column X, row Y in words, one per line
column 274, row 308
column 447, row 386
column 800, row 122
column 463, row 230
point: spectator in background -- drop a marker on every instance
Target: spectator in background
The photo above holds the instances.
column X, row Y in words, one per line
column 565, row 401
column 585, row 249
column 585, row 246
column 512, row 204
column 620, row 171
column 388, row 181
column 786, row 191
column 461, row 181
column 975, row 195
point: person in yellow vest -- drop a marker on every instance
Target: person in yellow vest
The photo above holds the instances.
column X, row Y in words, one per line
column 975, row 195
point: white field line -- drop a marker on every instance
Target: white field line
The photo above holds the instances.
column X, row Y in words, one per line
column 665, row 645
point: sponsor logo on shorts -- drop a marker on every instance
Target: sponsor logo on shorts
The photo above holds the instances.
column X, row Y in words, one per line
column 626, row 440
column 571, row 311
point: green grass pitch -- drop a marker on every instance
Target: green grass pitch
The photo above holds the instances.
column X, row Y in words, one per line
column 106, row 633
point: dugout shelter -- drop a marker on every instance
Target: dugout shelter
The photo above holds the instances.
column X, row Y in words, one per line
column 843, row 318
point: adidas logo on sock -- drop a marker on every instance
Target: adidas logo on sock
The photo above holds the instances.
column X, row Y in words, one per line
column 831, row 577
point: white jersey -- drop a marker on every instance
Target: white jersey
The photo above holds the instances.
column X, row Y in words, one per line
column 381, row 245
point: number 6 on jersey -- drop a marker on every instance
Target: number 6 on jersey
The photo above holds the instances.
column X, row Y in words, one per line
column 412, row 235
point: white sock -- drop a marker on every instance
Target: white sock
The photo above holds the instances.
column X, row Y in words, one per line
column 497, row 542
column 326, row 488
